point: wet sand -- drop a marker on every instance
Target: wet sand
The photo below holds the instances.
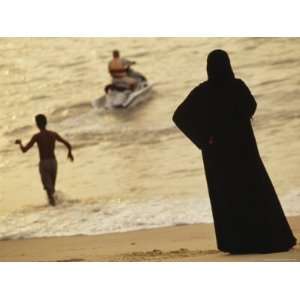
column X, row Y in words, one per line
column 193, row 243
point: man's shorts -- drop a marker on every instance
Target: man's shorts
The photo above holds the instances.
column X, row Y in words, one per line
column 48, row 170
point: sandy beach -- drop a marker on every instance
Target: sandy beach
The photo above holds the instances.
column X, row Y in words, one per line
column 194, row 243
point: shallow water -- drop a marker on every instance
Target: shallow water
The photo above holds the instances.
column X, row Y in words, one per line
column 133, row 169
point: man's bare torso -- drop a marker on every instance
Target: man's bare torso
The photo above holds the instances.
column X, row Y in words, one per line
column 46, row 144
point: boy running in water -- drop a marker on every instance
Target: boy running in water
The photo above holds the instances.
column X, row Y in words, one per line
column 45, row 140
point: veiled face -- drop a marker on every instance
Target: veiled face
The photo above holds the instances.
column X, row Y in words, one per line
column 219, row 66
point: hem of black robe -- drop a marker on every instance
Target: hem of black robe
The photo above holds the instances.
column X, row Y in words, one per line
column 263, row 250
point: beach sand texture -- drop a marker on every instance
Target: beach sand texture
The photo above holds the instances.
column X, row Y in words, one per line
column 194, row 243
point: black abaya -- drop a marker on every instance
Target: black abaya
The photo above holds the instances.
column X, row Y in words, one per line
column 248, row 217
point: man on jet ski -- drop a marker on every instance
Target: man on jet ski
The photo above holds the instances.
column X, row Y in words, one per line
column 118, row 68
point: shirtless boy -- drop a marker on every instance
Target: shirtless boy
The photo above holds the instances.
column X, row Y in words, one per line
column 45, row 140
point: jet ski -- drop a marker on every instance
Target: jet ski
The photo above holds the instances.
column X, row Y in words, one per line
column 120, row 95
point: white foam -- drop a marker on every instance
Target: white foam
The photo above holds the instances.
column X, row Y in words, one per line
column 291, row 203
column 75, row 218
column 72, row 217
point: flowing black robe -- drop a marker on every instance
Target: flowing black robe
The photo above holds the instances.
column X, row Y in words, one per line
column 248, row 217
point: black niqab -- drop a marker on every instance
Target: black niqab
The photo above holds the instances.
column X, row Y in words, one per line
column 219, row 66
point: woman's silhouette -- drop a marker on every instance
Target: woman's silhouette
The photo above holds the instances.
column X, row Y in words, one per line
column 215, row 116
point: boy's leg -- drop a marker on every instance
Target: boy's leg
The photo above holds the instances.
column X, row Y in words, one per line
column 48, row 176
column 51, row 199
column 53, row 173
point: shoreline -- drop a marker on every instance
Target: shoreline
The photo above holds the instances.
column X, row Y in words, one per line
column 176, row 243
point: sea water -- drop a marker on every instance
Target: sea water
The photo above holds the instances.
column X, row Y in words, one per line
column 133, row 169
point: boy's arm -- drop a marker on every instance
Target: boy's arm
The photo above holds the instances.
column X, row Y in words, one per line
column 28, row 146
column 67, row 144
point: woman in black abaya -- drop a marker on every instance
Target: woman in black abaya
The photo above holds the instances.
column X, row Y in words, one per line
column 215, row 116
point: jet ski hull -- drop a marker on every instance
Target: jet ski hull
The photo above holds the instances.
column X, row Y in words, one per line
column 115, row 99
